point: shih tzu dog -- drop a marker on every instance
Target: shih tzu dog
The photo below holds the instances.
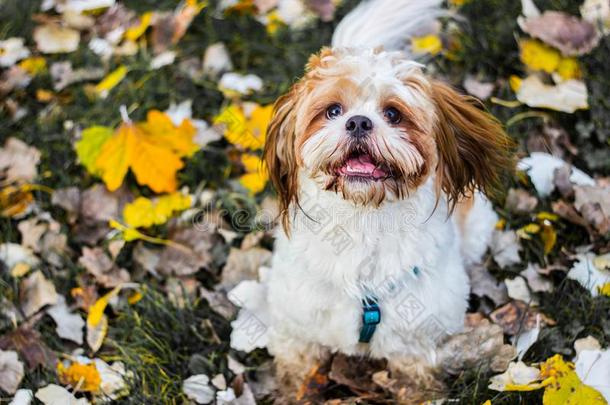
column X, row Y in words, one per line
column 381, row 173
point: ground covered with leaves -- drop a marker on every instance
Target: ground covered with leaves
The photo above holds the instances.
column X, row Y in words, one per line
column 132, row 198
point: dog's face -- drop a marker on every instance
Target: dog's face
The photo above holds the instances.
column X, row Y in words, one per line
column 372, row 128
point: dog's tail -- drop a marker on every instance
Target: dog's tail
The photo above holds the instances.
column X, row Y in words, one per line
column 386, row 23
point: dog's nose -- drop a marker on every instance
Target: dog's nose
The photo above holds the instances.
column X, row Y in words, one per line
column 358, row 126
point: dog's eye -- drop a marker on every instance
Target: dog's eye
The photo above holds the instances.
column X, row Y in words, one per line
column 392, row 115
column 333, row 111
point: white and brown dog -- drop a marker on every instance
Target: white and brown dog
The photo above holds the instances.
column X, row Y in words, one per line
column 380, row 172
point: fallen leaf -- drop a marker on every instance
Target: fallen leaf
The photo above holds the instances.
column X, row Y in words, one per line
column 524, row 340
column 63, row 75
column 520, row 201
column 256, row 177
column 152, row 150
column 517, row 316
column 481, row 90
column 36, row 292
column 88, row 147
column 505, row 248
column 588, row 274
column 565, row 387
column 69, row 324
column 517, row 290
column 12, row 50
column 245, row 126
column 11, row 371
column 101, row 266
column 22, row 397
column 75, row 374
column 54, row 394
column 586, row 343
column 571, row 35
column 52, row 38
column 97, row 322
column 428, row 44
column 479, row 346
column 541, row 169
column 567, row 96
column 243, row 265
column 482, row 283
column 113, row 384
column 144, row 212
column 18, row 162
column 593, row 369
column 355, row 372
column 111, row 81
column 197, row 388
column 216, row 60
column 517, row 377
column 535, row 280
column 30, row 346
column 597, row 12
column 13, row 254
column 235, row 84
column 168, row 29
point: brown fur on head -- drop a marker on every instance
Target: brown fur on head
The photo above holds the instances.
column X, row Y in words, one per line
column 438, row 132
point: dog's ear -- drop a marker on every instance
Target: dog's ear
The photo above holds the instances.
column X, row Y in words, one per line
column 279, row 153
column 474, row 150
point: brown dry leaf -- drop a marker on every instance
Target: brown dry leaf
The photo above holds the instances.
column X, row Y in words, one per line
column 168, row 28
column 36, row 292
column 30, row 346
column 11, row 371
column 63, row 75
column 571, row 35
column 520, row 201
column 517, row 316
column 243, row 265
column 18, row 162
column 355, row 372
column 101, row 266
column 482, row 283
column 480, row 346
column 68, row 199
column 193, row 253
column 13, row 78
column 593, row 202
column 43, row 235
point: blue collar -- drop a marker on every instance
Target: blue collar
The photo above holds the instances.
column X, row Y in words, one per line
column 371, row 315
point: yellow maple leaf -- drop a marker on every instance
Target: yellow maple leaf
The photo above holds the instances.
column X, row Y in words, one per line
column 565, row 387
column 256, row 176
column 152, row 150
column 247, row 131
column 85, row 376
column 431, row 44
column 538, row 56
column 144, row 213
column 88, row 147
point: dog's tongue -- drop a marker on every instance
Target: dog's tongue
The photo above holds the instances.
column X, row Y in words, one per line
column 361, row 164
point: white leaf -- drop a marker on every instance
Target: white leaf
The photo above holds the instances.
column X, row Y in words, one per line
column 587, row 274
column 163, row 59
column 526, row 339
column 541, row 168
column 586, row 343
column 22, row 397
column 53, row 394
column 196, row 388
column 241, row 84
column 216, row 60
column 11, row 371
column 13, row 254
column 69, row 325
column 226, row 397
column 529, row 9
column 113, row 383
column 51, row 38
column 505, row 247
column 517, row 289
column 567, row 96
column 593, row 368
column 516, row 374
column 11, row 51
